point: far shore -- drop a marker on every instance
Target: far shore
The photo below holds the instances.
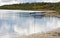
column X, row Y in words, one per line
column 47, row 12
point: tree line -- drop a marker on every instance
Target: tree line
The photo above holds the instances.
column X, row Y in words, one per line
column 33, row 6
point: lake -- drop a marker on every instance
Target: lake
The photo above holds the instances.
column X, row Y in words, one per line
column 15, row 23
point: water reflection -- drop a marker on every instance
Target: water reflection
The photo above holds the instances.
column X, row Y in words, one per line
column 18, row 24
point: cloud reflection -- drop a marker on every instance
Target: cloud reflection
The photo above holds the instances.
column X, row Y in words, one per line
column 13, row 25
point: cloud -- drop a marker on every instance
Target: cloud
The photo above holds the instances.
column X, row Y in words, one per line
column 7, row 2
column 47, row 0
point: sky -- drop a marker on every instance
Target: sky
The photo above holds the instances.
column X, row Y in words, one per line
column 4, row 2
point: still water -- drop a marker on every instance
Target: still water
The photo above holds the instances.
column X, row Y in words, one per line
column 15, row 24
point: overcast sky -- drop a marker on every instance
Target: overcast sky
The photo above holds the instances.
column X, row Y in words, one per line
column 3, row 2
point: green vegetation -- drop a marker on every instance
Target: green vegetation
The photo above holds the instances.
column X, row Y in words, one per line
column 33, row 6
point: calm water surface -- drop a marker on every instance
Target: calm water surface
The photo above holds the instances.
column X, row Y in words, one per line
column 15, row 24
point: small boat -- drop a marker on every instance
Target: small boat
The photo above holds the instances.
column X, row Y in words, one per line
column 37, row 14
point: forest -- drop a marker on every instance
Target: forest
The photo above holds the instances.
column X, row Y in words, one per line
column 33, row 6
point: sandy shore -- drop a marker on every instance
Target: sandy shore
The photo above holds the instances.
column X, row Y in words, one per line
column 56, row 14
column 52, row 34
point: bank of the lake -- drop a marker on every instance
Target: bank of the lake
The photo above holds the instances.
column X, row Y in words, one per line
column 56, row 14
column 35, row 6
column 52, row 34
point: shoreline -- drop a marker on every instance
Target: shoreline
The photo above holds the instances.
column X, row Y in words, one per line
column 51, row 34
column 53, row 14
column 47, row 12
